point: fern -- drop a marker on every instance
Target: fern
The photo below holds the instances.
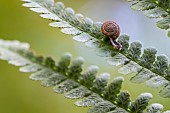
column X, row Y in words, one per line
column 149, row 67
column 67, row 78
column 155, row 9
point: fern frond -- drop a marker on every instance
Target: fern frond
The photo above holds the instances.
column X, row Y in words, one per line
column 148, row 66
column 67, row 77
column 155, row 9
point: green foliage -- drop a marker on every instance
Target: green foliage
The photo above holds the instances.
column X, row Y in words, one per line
column 134, row 51
column 114, row 88
column 124, row 100
column 154, row 9
column 148, row 66
column 148, row 58
column 140, row 103
column 68, row 77
column 155, row 108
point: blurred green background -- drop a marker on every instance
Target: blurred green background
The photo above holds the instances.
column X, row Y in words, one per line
column 18, row 94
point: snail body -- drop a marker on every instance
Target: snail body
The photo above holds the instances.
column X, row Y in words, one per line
column 112, row 31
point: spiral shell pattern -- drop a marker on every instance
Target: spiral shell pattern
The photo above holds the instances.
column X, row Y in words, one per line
column 110, row 29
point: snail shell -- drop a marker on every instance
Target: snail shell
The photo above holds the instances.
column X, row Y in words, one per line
column 110, row 29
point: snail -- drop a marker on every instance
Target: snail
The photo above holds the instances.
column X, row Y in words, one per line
column 112, row 31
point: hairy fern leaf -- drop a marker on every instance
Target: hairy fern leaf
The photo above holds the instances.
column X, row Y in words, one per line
column 140, row 103
column 155, row 108
column 146, row 65
column 68, row 78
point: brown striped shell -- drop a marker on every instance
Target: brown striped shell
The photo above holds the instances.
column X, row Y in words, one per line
column 110, row 29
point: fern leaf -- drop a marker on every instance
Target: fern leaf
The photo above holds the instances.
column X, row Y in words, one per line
column 160, row 65
column 53, row 80
column 30, row 68
column 155, row 108
column 164, row 23
column 117, row 60
column 155, row 13
column 42, row 74
column 89, row 76
column 166, row 91
column 114, row 88
column 142, row 76
column 66, row 77
column 66, row 86
column 157, row 82
column 59, row 24
column 154, row 9
column 131, row 67
column 123, row 99
column 82, row 37
column 134, row 51
column 143, row 5
column 140, row 103
column 89, row 101
column 102, row 107
column 100, row 83
column 83, row 29
column 148, row 58
column 79, row 92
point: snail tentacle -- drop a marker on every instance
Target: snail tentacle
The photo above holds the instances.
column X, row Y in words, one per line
column 115, row 44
